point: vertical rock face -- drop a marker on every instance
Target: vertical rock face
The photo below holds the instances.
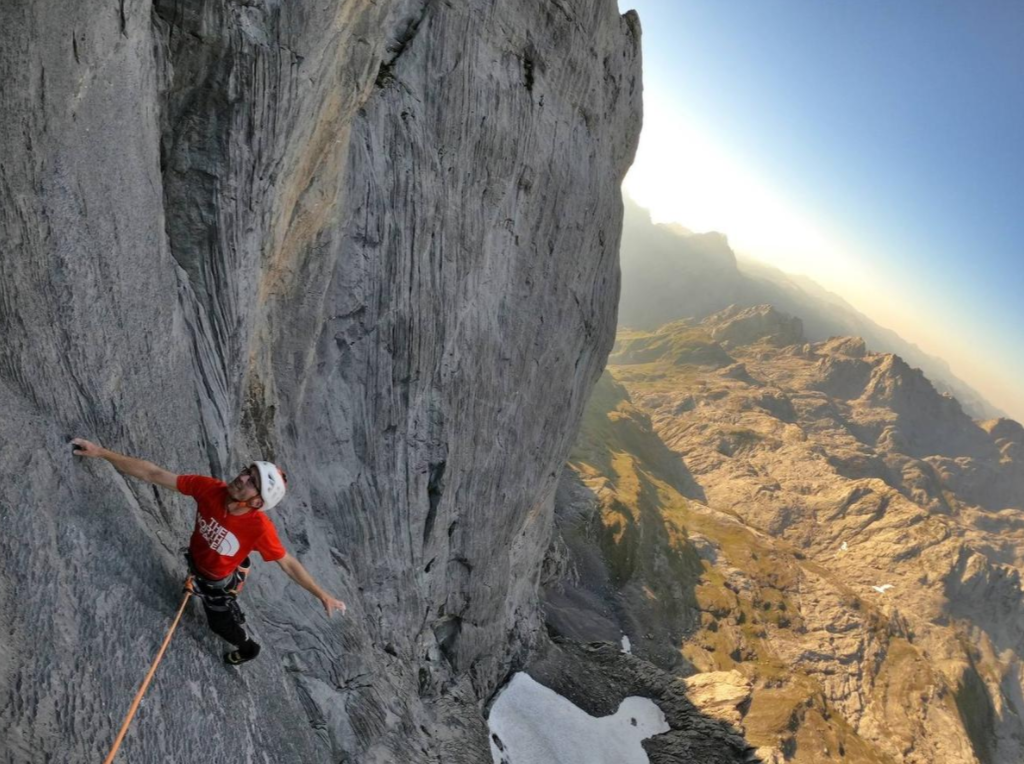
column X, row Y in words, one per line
column 374, row 241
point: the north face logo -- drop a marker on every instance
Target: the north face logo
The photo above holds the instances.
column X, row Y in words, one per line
column 219, row 538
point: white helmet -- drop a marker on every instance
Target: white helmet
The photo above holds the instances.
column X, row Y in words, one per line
column 272, row 484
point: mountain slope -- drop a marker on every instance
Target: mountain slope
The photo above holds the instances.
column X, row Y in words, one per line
column 669, row 274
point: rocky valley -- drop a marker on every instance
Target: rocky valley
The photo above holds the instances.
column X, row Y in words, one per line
column 825, row 547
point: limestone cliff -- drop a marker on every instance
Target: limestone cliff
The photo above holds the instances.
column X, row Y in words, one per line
column 374, row 241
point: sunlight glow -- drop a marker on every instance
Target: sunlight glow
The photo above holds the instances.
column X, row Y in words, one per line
column 683, row 175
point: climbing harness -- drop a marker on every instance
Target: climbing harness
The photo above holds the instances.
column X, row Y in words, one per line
column 152, row 670
column 215, row 593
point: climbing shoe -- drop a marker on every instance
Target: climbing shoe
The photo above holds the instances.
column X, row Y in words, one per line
column 245, row 653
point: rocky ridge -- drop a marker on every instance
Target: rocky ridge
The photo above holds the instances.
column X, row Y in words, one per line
column 811, row 534
column 669, row 273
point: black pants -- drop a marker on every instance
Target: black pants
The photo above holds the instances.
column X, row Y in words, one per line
column 223, row 614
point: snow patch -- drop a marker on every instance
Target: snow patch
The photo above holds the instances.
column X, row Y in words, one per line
column 626, row 647
column 531, row 724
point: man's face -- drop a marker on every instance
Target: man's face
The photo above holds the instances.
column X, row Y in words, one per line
column 246, row 487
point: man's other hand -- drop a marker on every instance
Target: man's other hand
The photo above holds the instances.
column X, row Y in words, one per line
column 331, row 604
column 83, row 447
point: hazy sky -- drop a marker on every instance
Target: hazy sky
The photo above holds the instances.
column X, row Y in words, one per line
column 876, row 146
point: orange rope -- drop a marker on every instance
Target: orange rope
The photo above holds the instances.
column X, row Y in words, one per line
column 149, row 676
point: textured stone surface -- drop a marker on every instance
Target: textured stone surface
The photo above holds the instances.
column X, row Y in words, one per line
column 721, row 694
column 375, row 241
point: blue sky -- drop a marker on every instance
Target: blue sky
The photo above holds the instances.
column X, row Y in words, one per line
column 875, row 146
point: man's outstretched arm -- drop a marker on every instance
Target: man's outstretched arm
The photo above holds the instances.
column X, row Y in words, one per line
column 301, row 576
column 129, row 465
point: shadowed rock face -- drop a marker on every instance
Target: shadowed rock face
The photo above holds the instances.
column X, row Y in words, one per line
column 374, row 241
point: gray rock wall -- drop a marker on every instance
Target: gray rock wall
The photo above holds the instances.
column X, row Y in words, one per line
column 376, row 242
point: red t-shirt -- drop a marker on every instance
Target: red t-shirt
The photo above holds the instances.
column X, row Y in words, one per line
column 220, row 540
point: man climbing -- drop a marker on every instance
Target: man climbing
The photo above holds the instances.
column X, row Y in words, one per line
column 231, row 522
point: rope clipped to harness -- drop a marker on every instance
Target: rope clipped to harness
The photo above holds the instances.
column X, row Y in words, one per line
column 149, row 676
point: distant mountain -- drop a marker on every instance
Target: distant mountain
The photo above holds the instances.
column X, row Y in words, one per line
column 669, row 273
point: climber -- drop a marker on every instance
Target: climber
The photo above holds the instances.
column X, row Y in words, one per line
column 231, row 522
